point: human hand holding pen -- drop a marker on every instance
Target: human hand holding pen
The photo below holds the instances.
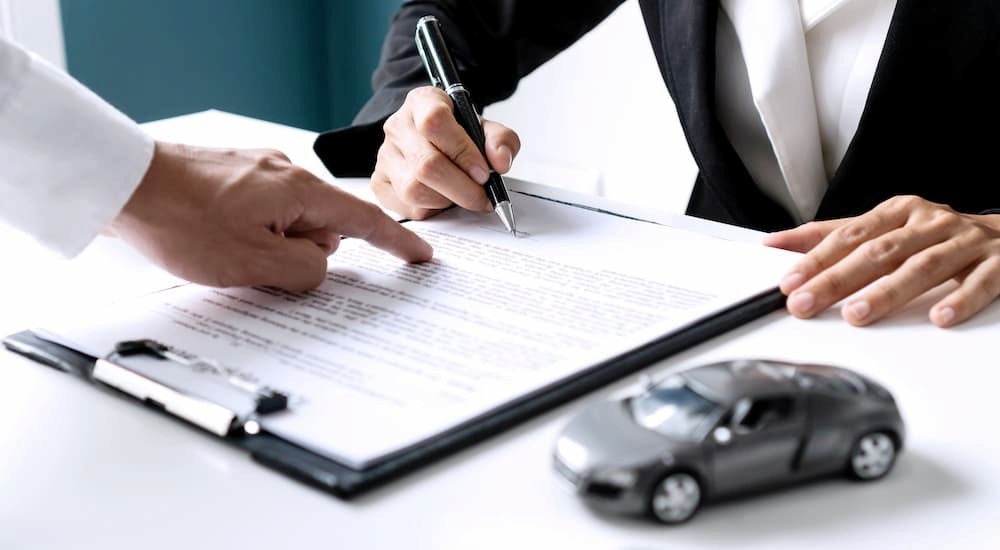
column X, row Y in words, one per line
column 428, row 162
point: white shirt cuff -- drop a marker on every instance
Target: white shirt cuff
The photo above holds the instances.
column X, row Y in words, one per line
column 69, row 161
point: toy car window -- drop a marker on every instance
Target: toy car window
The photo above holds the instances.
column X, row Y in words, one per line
column 753, row 415
column 839, row 382
column 675, row 410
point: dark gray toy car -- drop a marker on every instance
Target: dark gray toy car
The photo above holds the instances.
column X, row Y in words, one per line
column 724, row 429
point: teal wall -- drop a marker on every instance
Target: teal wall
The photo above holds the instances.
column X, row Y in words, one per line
column 305, row 63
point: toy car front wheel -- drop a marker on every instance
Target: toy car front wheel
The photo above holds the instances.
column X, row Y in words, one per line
column 675, row 498
column 872, row 457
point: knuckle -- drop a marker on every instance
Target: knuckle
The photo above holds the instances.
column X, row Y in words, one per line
column 299, row 174
column 903, row 203
column 411, row 192
column 977, row 235
column 434, row 120
column 428, row 166
column 851, row 234
column 991, row 276
column 944, row 220
column 275, row 153
column 383, row 156
column 885, row 296
column 271, row 158
column 466, row 154
column 909, row 201
column 809, row 265
column 879, row 251
column 927, row 262
column 377, row 183
column 813, row 229
column 420, row 93
column 983, row 287
column 834, row 283
column 391, row 124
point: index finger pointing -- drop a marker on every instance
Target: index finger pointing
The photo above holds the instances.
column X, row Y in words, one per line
column 353, row 217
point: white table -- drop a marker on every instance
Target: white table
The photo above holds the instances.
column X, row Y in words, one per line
column 82, row 469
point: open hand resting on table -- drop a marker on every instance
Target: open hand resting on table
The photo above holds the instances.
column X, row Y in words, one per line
column 428, row 162
column 237, row 218
column 915, row 244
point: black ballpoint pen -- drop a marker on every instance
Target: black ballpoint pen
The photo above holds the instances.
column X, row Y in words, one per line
column 437, row 60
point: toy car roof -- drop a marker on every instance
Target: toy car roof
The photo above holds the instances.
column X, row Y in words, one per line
column 728, row 381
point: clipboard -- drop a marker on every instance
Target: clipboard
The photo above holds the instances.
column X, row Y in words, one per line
column 229, row 414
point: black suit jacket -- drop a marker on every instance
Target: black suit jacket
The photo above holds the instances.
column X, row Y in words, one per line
column 929, row 127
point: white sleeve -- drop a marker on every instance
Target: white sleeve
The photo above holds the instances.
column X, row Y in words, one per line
column 69, row 161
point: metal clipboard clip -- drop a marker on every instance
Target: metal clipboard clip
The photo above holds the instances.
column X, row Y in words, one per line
column 190, row 387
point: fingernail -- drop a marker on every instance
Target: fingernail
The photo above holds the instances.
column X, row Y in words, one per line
column 504, row 150
column 801, row 302
column 944, row 316
column 479, row 174
column 858, row 310
column 791, row 281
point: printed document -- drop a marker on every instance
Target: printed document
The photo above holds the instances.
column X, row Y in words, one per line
column 385, row 355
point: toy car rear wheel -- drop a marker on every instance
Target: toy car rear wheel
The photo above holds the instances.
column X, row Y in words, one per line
column 675, row 498
column 872, row 456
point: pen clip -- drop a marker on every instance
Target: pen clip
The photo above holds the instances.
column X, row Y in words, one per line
column 424, row 56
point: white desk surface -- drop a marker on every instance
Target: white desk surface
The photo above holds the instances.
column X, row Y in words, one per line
column 82, row 469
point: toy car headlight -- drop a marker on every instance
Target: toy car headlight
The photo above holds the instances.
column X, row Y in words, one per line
column 571, row 453
column 615, row 476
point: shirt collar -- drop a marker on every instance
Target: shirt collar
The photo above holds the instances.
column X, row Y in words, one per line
column 815, row 11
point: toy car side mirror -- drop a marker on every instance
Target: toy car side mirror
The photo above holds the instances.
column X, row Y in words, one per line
column 722, row 435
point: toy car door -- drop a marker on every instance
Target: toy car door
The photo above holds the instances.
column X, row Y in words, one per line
column 756, row 442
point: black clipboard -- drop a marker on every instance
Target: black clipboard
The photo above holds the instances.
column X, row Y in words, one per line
column 340, row 480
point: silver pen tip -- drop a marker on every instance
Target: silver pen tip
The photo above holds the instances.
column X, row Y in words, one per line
column 506, row 215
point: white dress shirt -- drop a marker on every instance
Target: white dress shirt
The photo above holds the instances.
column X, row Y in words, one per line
column 68, row 160
column 792, row 79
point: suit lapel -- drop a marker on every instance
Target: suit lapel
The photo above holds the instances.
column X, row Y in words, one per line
column 928, row 50
column 689, row 29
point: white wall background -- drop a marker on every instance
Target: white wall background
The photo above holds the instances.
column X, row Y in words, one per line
column 598, row 119
column 36, row 25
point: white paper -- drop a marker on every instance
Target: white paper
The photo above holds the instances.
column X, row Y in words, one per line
column 384, row 354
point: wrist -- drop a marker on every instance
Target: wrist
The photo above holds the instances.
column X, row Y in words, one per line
column 137, row 206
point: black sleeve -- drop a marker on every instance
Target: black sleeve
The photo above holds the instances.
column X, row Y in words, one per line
column 494, row 43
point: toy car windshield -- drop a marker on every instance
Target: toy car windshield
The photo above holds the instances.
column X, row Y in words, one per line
column 675, row 410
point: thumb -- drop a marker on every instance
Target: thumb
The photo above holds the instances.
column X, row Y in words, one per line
column 502, row 145
column 294, row 264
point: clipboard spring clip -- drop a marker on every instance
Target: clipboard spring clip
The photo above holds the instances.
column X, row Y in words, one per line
column 267, row 399
column 231, row 405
